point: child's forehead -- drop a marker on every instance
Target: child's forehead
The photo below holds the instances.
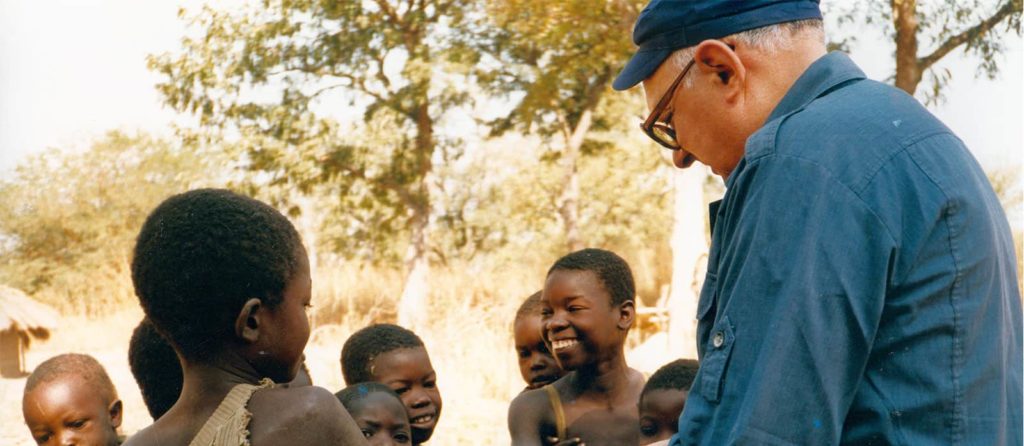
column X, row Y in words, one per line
column 73, row 392
column 526, row 330
column 561, row 279
column 403, row 361
column 380, row 408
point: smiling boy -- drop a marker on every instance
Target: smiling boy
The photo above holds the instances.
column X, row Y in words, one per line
column 396, row 357
column 587, row 310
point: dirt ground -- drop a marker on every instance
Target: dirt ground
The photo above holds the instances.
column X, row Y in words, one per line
column 466, row 418
column 476, row 375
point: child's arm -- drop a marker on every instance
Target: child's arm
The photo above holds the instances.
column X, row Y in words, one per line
column 525, row 416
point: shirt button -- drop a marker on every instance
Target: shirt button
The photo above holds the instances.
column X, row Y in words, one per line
column 718, row 339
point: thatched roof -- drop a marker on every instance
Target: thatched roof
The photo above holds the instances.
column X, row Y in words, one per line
column 22, row 313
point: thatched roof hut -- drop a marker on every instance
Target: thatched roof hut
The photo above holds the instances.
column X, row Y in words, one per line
column 21, row 319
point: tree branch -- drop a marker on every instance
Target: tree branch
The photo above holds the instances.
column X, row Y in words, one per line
column 971, row 33
column 390, row 12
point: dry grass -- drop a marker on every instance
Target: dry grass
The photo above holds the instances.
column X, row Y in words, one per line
column 469, row 341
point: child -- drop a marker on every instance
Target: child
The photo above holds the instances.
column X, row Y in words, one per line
column 394, row 356
column 379, row 412
column 157, row 371
column 663, row 399
column 536, row 364
column 226, row 280
column 587, row 310
column 69, row 399
column 155, row 367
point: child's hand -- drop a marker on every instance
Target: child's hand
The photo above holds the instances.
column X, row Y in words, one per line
column 574, row 441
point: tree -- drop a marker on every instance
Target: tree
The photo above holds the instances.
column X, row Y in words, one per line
column 274, row 73
column 559, row 58
column 977, row 25
column 68, row 220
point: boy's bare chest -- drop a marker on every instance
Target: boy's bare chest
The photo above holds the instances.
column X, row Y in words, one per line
column 599, row 424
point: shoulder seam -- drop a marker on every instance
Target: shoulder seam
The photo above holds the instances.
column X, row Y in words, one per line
column 831, row 177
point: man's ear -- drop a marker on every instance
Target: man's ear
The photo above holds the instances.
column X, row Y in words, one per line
column 247, row 323
column 116, row 413
column 719, row 63
column 627, row 313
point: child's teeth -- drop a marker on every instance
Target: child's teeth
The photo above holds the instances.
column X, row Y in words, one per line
column 558, row 345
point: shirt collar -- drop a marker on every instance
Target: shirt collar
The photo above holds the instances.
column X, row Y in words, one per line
column 825, row 73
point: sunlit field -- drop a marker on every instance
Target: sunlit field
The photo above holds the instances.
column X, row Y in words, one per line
column 469, row 340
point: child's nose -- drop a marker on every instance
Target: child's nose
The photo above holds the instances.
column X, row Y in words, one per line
column 68, row 438
column 420, row 399
column 556, row 323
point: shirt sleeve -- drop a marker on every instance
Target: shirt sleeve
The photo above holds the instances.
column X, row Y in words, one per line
column 801, row 283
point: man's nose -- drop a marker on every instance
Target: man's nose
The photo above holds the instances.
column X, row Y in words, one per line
column 682, row 159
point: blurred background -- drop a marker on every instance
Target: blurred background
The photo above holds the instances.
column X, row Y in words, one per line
column 436, row 155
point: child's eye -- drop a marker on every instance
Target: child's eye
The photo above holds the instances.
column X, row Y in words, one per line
column 524, row 353
column 400, row 390
column 429, row 384
column 367, row 433
column 77, row 423
column 648, row 430
column 42, row 439
column 575, row 308
column 402, row 437
column 546, row 312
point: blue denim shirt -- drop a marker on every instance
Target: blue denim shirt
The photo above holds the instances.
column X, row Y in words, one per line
column 861, row 286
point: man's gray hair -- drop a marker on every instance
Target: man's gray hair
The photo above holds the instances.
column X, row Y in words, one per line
column 769, row 38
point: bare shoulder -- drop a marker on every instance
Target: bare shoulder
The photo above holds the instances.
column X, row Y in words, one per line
column 301, row 415
column 529, row 416
column 168, row 430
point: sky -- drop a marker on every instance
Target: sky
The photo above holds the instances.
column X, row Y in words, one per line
column 72, row 69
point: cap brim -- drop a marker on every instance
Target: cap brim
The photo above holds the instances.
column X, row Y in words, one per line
column 640, row 67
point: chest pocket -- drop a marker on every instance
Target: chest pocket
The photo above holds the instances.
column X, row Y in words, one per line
column 717, row 349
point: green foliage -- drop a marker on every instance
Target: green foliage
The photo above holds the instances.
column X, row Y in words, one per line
column 68, row 220
column 283, row 78
column 558, row 57
column 980, row 27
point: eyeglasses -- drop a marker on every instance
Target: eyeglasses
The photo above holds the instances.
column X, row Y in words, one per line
column 659, row 130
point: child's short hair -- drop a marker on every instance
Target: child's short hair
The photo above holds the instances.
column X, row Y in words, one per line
column 529, row 307
column 155, row 367
column 365, row 345
column 73, row 364
column 356, row 392
column 676, row 375
column 200, row 255
column 611, row 269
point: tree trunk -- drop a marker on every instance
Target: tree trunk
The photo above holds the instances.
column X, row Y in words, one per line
column 908, row 71
column 412, row 306
column 569, row 200
column 689, row 256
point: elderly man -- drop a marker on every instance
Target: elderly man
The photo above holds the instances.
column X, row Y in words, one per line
column 861, row 286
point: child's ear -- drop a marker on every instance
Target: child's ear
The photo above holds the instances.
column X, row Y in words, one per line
column 116, row 414
column 627, row 313
column 247, row 323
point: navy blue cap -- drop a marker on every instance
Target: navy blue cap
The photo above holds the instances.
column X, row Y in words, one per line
column 668, row 25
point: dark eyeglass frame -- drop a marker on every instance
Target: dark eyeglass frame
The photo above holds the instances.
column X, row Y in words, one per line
column 662, row 132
